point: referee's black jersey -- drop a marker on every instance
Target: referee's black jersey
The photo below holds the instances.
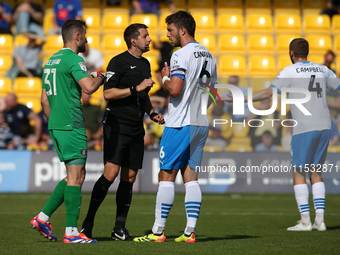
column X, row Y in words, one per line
column 124, row 71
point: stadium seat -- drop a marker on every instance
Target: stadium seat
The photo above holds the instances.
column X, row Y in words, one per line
column 287, row 23
column 156, row 86
column 151, row 20
column 231, row 43
column 6, row 62
column 316, row 23
column 31, row 102
column 26, row 86
column 283, row 61
column 212, row 148
column 258, row 84
column 6, row 43
column 230, row 23
column 20, row 40
column 241, row 139
column 162, row 25
column 123, row 5
column 93, row 40
column 333, row 149
column 90, row 4
column 240, row 130
column 207, row 40
column 97, row 97
column 108, row 56
column 319, row 44
column 5, row 86
column 260, row 44
column 239, row 147
column 53, row 43
column 153, row 59
column 283, row 41
column 336, row 24
column 48, row 20
column 258, row 5
column 114, row 21
column 201, row 5
column 259, row 22
column 291, row 6
column 262, row 66
column 233, row 6
column 92, row 18
column 205, row 22
column 336, row 46
column 314, row 4
column 317, row 58
column 46, row 56
column 232, row 65
column 180, row 5
column 49, row 4
column 113, row 42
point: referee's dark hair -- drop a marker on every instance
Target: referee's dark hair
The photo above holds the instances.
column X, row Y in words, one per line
column 182, row 19
column 132, row 31
column 69, row 28
column 300, row 47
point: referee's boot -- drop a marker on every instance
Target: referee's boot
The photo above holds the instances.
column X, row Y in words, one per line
column 86, row 229
column 121, row 233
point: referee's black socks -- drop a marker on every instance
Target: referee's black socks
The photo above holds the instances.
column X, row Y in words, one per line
column 123, row 201
column 99, row 192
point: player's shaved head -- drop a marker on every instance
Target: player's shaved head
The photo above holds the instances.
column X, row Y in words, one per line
column 70, row 27
column 299, row 47
column 182, row 19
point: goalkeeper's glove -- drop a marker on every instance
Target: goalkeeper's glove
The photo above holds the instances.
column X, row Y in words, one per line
column 98, row 74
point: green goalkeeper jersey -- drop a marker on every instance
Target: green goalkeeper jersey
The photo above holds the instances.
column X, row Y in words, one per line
column 61, row 75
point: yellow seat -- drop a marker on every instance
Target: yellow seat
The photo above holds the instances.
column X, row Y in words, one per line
column 258, row 5
column 152, row 57
column 231, row 43
column 233, row 6
column 201, row 4
column 317, row 58
column 49, row 4
column 262, row 66
column 336, row 24
column 151, row 20
column 91, row 4
column 336, row 46
column 156, row 86
column 240, row 130
column 25, row 86
column 241, row 139
column 93, row 40
column 113, row 42
column 258, row 84
column 124, row 5
column 232, row 65
column 108, row 56
column 53, row 43
column 333, row 149
column 162, row 25
column 287, row 23
column 316, row 23
column 230, row 22
column 208, row 41
column 48, row 20
column 47, row 55
column 283, row 41
column 283, row 61
column 259, row 22
column 97, row 97
column 239, row 147
column 31, row 102
column 287, row 6
column 205, row 22
column 92, row 18
column 314, row 4
column 260, row 44
column 6, row 62
column 212, row 148
column 6, row 43
column 20, row 40
column 319, row 44
column 115, row 21
column 5, row 86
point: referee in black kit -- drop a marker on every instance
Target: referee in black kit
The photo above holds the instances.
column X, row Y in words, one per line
column 126, row 90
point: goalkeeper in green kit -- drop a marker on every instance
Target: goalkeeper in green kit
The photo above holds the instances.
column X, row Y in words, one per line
column 64, row 78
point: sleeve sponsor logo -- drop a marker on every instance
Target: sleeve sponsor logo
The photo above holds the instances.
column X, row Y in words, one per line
column 82, row 66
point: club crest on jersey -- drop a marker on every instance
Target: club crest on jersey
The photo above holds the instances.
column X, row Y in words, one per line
column 83, row 152
column 82, row 66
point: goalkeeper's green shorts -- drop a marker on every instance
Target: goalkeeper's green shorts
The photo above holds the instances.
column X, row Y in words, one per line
column 71, row 145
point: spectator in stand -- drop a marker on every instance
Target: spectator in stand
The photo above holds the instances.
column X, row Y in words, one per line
column 266, row 143
column 333, row 8
column 215, row 138
column 27, row 58
column 28, row 17
column 334, row 136
column 150, row 6
column 329, row 59
column 288, row 134
column 45, row 141
column 21, row 142
column 64, row 10
column 5, row 18
column 93, row 58
column 92, row 118
column 113, row 2
column 6, row 135
column 18, row 115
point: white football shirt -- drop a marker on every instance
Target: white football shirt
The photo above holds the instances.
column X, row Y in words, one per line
column 192, row 63
column 315, row 78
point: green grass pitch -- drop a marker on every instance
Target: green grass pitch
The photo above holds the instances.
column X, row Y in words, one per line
column 228, row 224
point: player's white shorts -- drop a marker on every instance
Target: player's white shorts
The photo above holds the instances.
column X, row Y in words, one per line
column 180, row 146
column 309, row 148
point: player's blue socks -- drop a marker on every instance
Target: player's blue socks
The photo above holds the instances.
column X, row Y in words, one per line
column 301, row 196
column 319, row 194
column 164, row 201
column 193, row 200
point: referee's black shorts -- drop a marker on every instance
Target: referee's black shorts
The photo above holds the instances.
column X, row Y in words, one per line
column 123, row 145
